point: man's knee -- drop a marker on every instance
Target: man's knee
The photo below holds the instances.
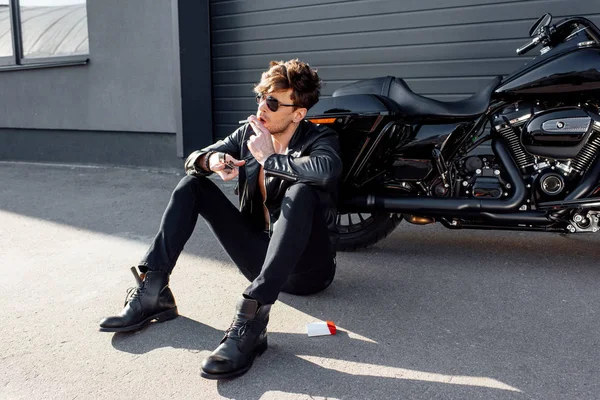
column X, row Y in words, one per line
column 189, row 185
column 310, row 283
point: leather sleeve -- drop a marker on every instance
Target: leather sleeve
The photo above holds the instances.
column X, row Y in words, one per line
column 230, row 145
column 321, row 166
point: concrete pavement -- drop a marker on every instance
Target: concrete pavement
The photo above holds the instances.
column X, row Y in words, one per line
column 428, row 313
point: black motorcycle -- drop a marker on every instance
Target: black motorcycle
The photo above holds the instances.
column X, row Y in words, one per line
column 523, row 154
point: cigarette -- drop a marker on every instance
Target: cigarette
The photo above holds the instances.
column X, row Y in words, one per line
column 243, row 121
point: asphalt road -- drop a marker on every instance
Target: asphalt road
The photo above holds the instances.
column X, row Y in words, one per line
column 428, row 313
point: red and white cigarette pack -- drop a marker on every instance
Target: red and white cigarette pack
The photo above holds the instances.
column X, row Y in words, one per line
column 321, row 328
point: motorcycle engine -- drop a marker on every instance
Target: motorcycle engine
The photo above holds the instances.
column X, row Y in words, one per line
column 482, row 177
column 554, row 146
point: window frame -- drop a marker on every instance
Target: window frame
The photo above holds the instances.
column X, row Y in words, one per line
column 18, row 61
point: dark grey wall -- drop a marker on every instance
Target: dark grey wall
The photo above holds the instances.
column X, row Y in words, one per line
column 195, row 101
column 154, row 150
column 446, row 49
column 129, row 84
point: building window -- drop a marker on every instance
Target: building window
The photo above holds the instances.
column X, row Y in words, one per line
column 6, row 38
column 39, row 32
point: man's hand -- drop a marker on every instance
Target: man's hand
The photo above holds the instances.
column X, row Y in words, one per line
column 260, row 144
column 225, row 165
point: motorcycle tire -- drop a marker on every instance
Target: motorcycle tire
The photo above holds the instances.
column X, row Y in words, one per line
column 361, row 232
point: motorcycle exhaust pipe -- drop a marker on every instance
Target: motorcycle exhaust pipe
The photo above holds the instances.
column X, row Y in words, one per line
column 520, row 221
column 432, row 206
column 525, row 218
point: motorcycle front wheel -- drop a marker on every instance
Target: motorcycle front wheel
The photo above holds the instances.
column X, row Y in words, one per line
column 361, row 230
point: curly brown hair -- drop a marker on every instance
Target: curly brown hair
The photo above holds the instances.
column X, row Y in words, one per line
column 292, row 74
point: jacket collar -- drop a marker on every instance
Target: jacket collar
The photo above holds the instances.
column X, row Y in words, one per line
column 300, row 136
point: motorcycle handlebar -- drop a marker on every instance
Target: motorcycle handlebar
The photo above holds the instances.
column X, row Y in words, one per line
column 528, row 46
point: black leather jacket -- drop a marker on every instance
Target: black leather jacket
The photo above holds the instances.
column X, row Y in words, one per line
column 313, row 158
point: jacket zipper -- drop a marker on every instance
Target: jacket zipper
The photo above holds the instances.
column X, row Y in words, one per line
column 265, row 201
column 283, row 175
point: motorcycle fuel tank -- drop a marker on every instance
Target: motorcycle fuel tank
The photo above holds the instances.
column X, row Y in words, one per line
column 558, row 134
column 574, row 71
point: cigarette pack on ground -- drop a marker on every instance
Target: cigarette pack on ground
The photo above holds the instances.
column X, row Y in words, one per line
column 321, row 328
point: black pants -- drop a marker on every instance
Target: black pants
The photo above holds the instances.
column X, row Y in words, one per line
column 296, row 259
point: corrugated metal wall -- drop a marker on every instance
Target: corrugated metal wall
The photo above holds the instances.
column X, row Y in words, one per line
column 446, row 49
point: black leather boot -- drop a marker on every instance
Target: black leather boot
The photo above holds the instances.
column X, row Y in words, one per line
column 245, row 338
column 151, row 299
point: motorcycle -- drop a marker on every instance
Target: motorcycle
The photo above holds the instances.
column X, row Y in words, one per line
column 522, row 154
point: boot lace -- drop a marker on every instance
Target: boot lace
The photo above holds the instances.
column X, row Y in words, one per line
column 134, row 292
column 237, row 329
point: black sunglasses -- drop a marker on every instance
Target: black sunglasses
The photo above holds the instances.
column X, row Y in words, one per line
column 272, row 103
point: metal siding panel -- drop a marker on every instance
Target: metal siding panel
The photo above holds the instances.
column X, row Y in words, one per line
column 242, row 14
column 418, row 36
column 399, row 22
column 223, row 94
column 417, row 69
column 446, row 50
column 428, row 52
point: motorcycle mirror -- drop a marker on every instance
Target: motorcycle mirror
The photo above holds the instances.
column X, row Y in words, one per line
column 541, row 23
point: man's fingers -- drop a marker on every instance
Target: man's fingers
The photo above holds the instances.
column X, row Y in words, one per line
column 252, row 120
column 257, row 127
column 235, row 161
column 228, row 174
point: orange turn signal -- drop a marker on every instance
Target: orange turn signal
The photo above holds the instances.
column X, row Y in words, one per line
column 322, row 120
